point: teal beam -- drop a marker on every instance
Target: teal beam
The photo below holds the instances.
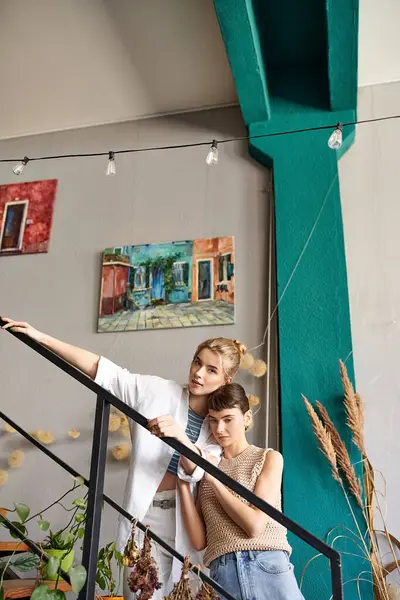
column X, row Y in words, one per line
column 238, row 25
column 314, row 332
column 342, row 24
column 307, row 52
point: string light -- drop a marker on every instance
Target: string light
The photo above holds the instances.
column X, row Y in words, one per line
column 336, row 139
column 192, row 145
column 212, row 156
column 19, row 168
column 111, row 170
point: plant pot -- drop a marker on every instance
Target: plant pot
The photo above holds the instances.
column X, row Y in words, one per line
column 66, row 562
column 112, row 597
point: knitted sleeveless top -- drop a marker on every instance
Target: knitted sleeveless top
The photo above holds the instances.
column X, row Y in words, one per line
column 223, row 535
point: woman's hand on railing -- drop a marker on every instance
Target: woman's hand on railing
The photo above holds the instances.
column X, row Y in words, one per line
column 22, row 327
column 166, row 426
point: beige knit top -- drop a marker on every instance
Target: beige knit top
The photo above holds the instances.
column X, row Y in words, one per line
column 223, row 535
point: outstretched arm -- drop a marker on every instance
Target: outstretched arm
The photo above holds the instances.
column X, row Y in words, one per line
column 85, row 361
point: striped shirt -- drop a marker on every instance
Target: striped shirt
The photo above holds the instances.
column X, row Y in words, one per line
column 193, row 427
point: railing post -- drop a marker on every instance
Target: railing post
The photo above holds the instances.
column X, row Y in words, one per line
column 336, row 573
column 95, row 497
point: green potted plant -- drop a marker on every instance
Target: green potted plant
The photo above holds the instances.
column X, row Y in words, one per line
column 106, row 578
column 59, row 546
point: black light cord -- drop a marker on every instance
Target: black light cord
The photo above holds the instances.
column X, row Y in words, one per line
column 197, row 144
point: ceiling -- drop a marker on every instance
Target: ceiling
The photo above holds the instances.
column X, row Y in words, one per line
column 74, row 63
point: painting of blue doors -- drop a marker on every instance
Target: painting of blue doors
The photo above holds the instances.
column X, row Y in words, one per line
column 167, row 285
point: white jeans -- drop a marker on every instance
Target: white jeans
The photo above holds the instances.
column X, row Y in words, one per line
column 162, row 521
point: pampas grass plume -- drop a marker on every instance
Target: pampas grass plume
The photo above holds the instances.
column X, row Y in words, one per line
column 324, row 439
column 354, row 409
column 342, row 455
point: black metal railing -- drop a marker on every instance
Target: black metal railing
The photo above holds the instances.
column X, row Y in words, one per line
column 96, row 481
column 38, row 551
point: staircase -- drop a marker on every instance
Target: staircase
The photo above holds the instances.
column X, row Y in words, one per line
column 18, row 588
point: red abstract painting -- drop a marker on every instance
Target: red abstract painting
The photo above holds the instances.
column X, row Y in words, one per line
column 26, row 214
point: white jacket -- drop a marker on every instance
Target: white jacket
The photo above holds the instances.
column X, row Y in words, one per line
column 152, row 397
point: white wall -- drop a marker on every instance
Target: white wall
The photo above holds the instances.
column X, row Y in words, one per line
column 369, row 181
column 379, row 42
column 156, row 196
column 72, row 63
column 68, row 63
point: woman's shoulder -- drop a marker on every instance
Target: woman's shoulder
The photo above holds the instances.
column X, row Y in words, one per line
column 267, row 456
column 266, row 451
column 272, row 460
column 266, row 460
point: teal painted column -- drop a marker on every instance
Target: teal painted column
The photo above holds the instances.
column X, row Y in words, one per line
column 314, row 333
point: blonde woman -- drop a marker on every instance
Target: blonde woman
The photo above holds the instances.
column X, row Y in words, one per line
column 247, row 552
column 173, row 411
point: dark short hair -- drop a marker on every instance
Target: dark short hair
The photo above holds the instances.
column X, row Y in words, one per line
column 230, row 395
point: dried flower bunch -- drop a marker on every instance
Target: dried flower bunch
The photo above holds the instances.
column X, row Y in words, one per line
column 143, row 580
column 206, row 592
column 181, row 589
column 131, row 551
column 335, row 451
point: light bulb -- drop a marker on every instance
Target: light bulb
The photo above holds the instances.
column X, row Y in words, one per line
column 336, row 139
column 111, row 170
column 19, row 168
column 212, row 156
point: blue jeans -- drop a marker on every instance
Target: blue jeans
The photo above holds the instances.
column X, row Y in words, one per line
column 256, row 575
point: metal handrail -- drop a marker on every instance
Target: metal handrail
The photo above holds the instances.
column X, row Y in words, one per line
column 159, row 541
column 96, row 480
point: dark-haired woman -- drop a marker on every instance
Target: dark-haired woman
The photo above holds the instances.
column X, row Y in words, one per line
column 247, row 552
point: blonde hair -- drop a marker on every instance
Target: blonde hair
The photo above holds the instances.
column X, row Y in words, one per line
column 231, row 352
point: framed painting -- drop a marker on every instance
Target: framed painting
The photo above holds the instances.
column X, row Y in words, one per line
column 168, row 285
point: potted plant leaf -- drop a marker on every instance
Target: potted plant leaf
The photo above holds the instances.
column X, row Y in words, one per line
column 107, row 579
column 65, row 538
column 60, row 546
